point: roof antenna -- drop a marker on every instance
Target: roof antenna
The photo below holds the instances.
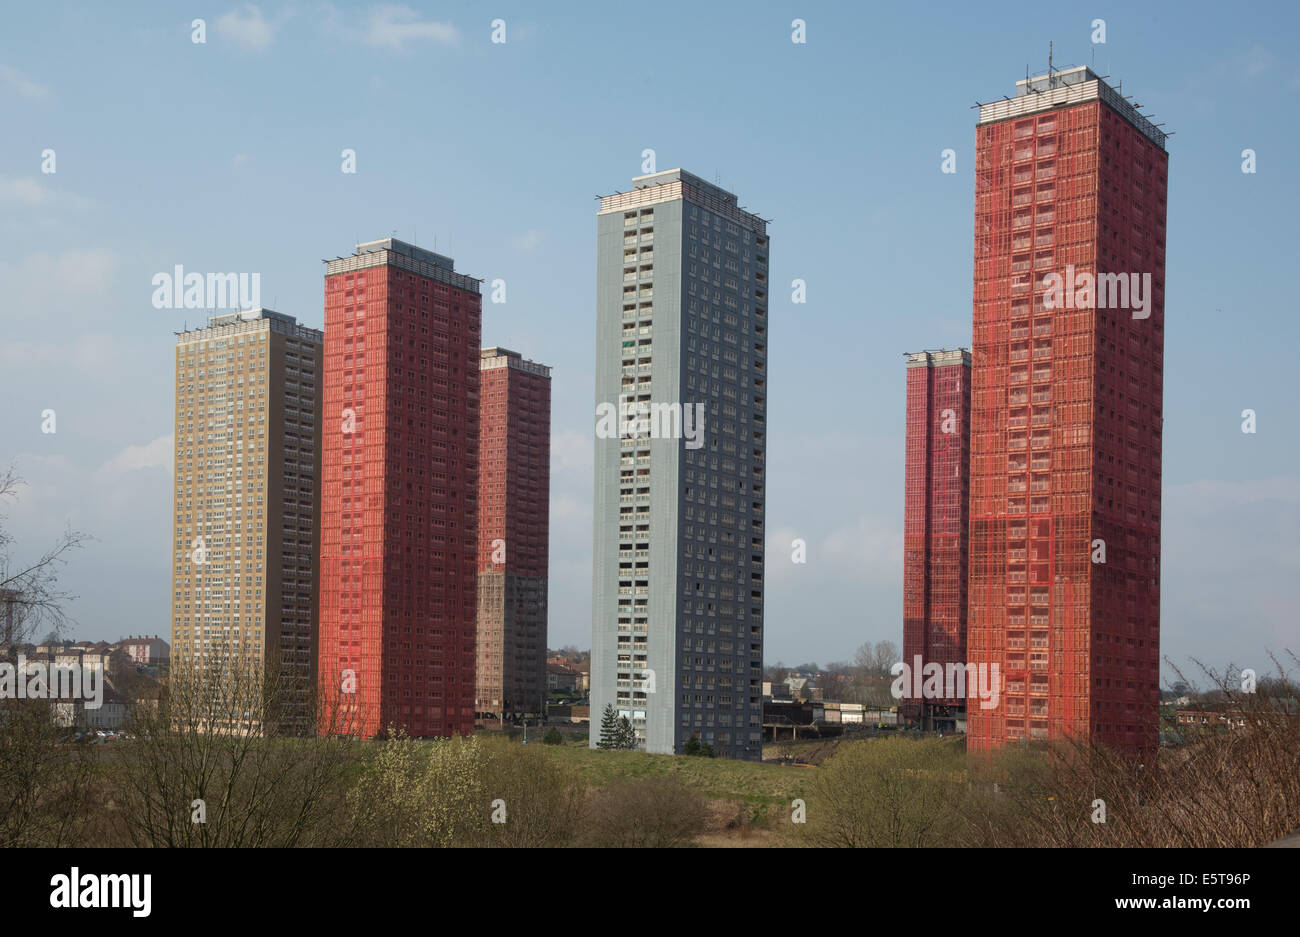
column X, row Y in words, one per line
column 1049, row 65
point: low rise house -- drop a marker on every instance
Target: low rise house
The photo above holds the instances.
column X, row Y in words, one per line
column 1198, row 718
column 561, row 678
column 145, row 649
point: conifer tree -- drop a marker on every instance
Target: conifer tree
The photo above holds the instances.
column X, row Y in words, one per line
column 609, row 730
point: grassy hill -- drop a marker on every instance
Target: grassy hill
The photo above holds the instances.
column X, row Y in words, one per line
column 761, row 783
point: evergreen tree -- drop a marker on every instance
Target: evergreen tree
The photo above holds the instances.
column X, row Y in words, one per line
column 609, row 728
column 694, row 746
column 626, row 734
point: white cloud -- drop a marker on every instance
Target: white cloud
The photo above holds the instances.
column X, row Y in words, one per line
column 778, row 552
column 23, row 85
column 864, row 551
column 394, row 26
column 1208, row 494
column 1257, row 61
column 26, row 191
column 869, row 549
column 44, row 284
column 530, row 241
column 1229, row 560
column 573, row 452
column 154, row 454
column 90, row 354
column 247, row 28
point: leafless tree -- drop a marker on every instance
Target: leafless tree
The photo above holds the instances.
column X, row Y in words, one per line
column 229, row 757
column 1234, row 782
column 44, row 778
column 887, row 656
column 883, row 793
column 647, row 812
column 30, row 596
column 542, row 804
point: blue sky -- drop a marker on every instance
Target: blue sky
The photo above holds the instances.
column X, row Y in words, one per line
column 225, row 156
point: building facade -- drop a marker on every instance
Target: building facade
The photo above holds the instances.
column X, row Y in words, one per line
column 1066, row 413
column 149, row 649
column 513, row 533
column 399, row 480
column 681, row 394
column 935, row 543
column 245, row 498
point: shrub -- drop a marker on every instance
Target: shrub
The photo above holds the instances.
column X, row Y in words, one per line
column 648, row 812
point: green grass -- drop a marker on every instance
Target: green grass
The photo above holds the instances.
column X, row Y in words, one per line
column 757, row 783
column 715, row 778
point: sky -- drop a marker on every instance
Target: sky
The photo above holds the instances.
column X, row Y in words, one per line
column 227, row 155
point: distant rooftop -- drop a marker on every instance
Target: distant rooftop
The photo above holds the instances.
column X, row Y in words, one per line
column 681, row 175
column 397, row 253
column 1065, row 87
column 673, row 184
column 938, row 357
column 249, row 315
column 250, row 320
column 494, row 357
column 407, row 250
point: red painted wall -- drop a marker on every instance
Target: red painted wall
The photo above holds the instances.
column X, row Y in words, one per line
column 935, row 527
column 1066, row 422
column 400, row 501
